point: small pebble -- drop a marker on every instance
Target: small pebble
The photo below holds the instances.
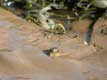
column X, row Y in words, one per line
column 86, row 43
column 54, row 50
column 49, row 37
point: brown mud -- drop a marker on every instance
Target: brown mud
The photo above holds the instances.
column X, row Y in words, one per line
column 22, row 58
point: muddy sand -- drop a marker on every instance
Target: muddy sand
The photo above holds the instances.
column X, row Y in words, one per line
column 22, row 57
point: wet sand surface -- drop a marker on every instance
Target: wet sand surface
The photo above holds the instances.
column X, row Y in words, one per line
column 22, row 58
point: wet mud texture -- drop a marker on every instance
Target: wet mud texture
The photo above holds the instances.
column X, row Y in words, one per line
column 22, row 58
